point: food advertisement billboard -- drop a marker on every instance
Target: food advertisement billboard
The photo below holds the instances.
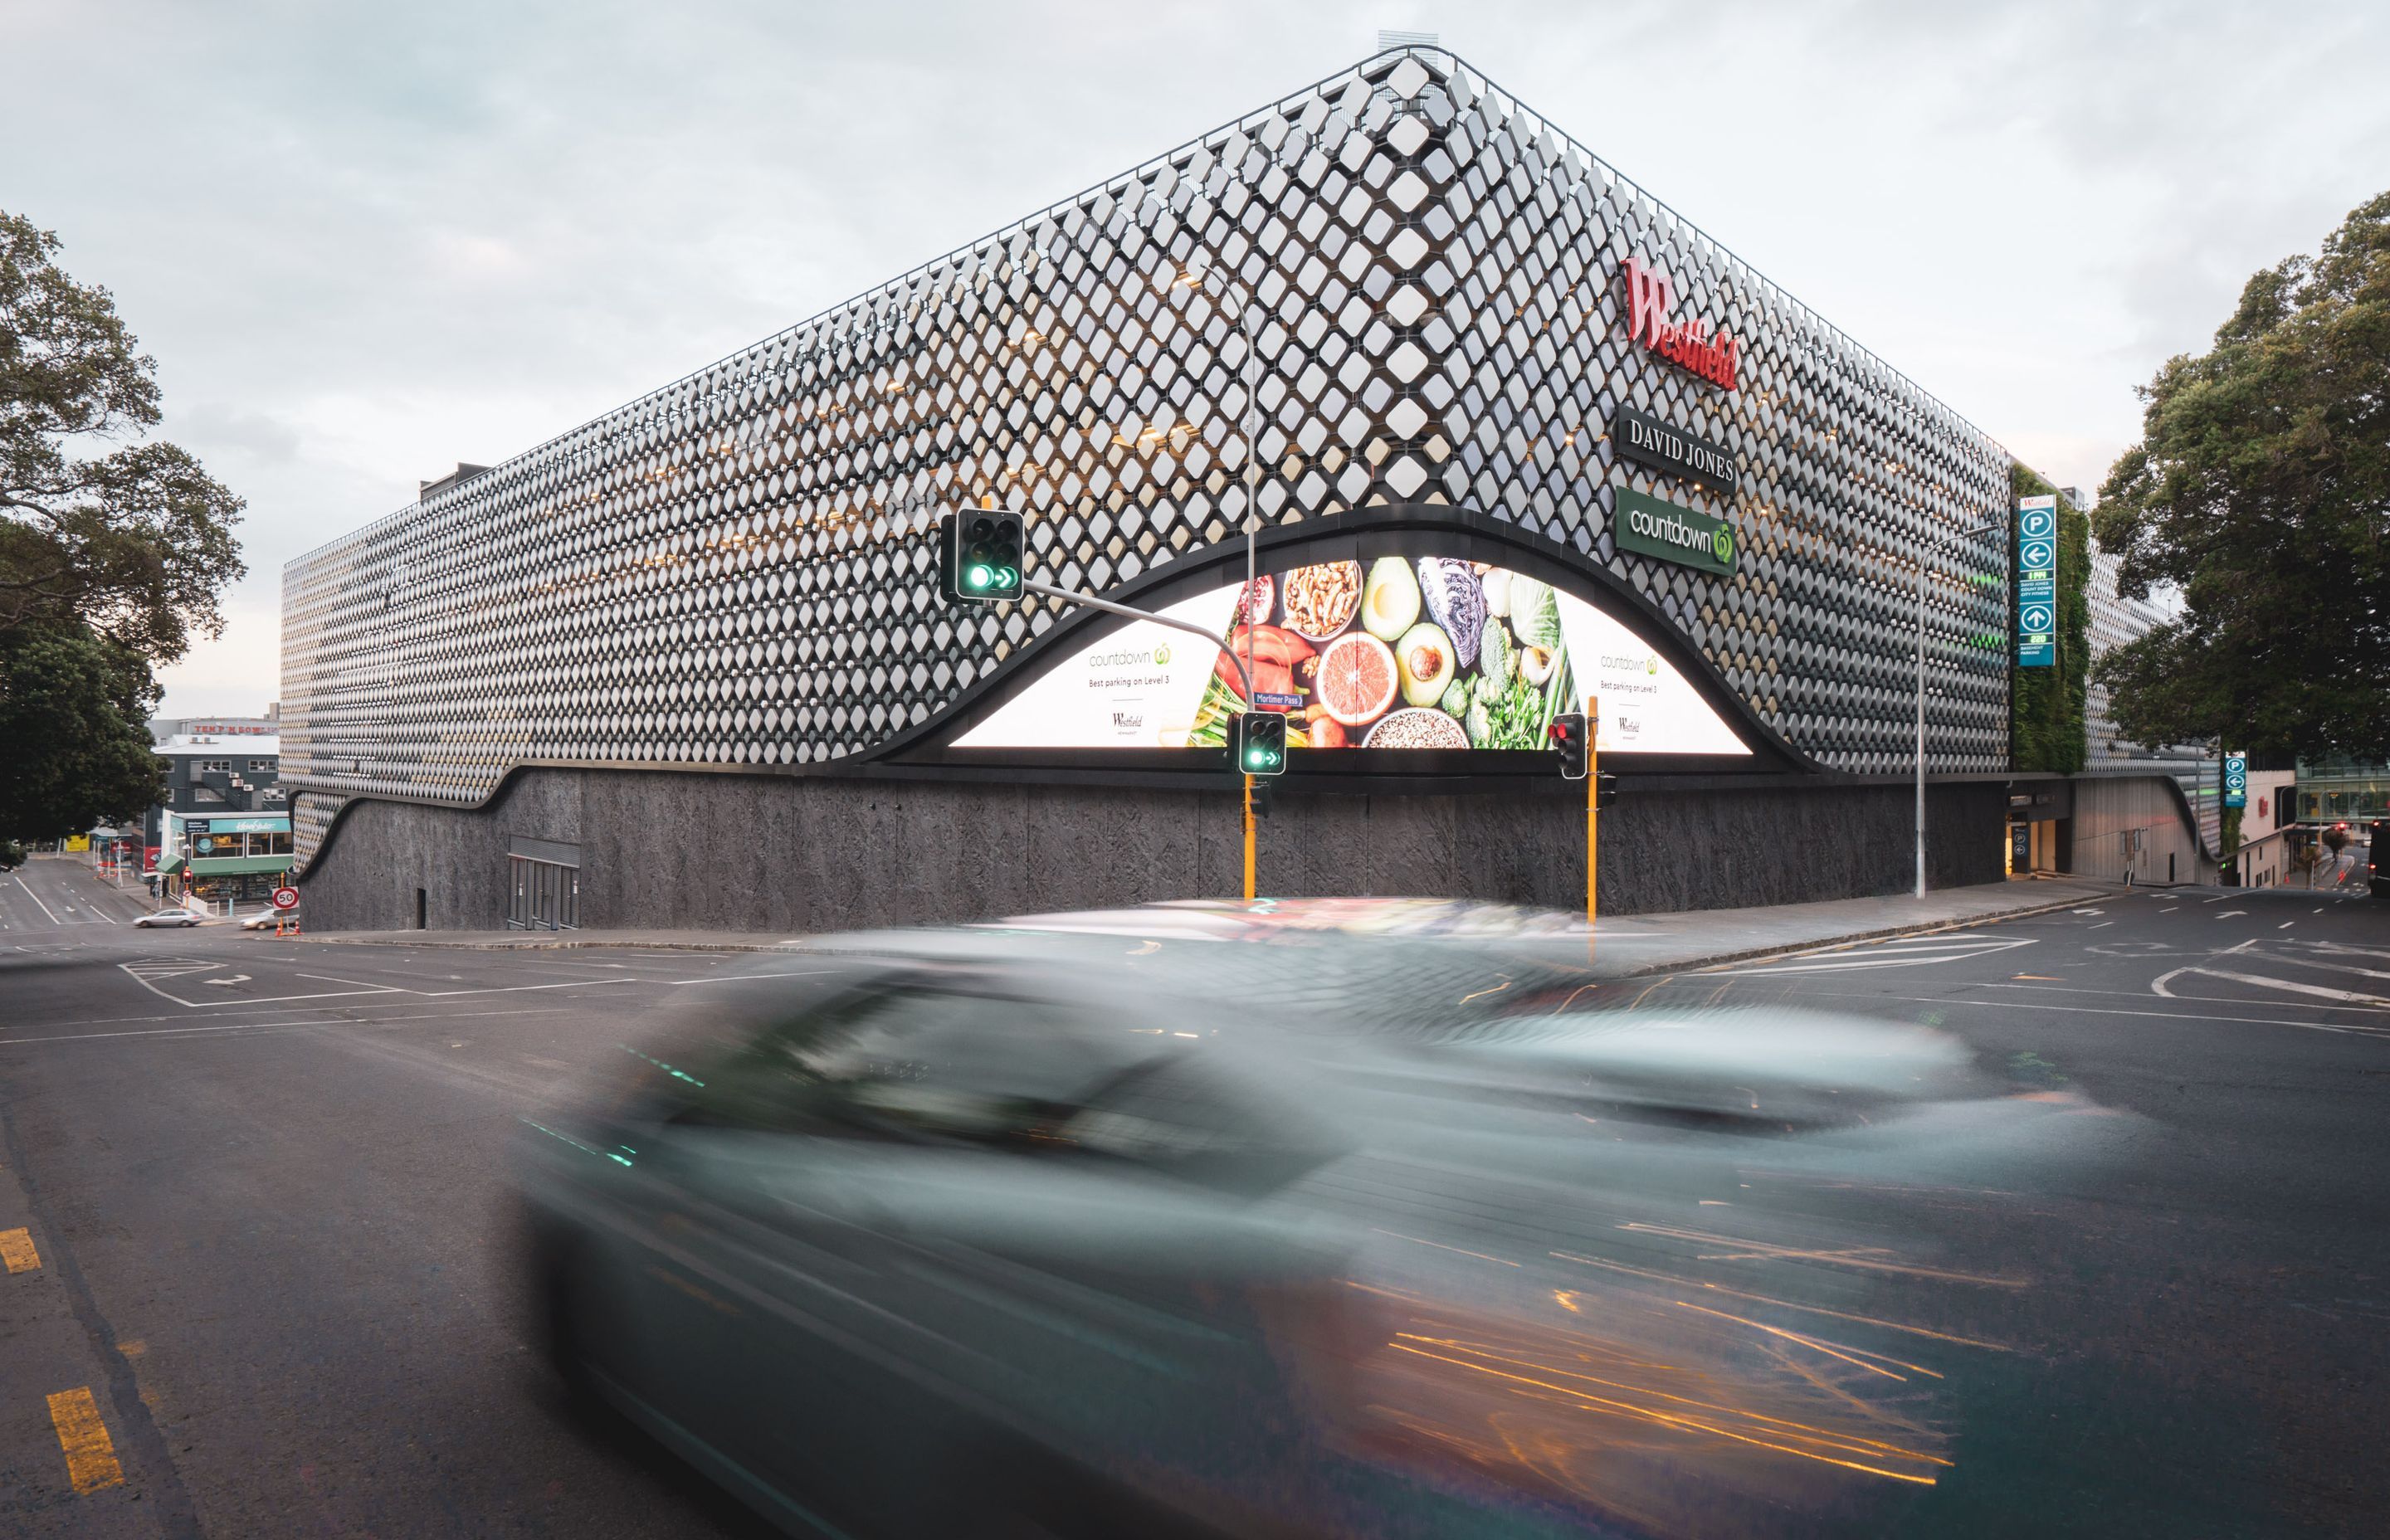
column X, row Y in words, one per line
column 1399, row 652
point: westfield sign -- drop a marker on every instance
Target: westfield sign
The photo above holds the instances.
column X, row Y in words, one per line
column 1649, row 297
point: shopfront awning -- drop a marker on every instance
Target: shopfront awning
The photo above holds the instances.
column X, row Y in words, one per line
column 168, row 868
column 237, row 866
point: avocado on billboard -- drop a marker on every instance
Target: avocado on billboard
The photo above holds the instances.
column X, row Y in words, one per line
column 1397, row 653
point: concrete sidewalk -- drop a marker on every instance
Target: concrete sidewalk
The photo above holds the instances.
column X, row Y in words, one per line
column 1626, row 947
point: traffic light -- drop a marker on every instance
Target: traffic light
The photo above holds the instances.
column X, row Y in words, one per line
column 1605, row 789
column 1258, row 743
column 979, row 554
column 1571, row 741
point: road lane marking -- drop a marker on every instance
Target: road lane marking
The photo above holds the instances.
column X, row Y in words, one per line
column 2103, row 925
column 91, row 1458
column 2169, row 911
column 2351, row 1029
column 2229, row 913
column 734, row 978
column 518, row 988
column 2318, row 991
column 1888, row 955
column 2286, row 925
column 17, row 1251
column 274, row 1026
column 37, row 899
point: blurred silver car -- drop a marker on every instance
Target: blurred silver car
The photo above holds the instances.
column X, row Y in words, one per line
column 1205, row 1220
column 168, row 918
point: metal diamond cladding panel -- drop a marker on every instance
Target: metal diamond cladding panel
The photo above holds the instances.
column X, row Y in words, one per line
column 1420, row 279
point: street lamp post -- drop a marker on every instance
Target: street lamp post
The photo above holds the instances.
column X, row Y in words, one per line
column 1962, row 535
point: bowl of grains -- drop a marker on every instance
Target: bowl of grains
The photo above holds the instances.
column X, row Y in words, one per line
column 1417, row 728
column 1320, row 601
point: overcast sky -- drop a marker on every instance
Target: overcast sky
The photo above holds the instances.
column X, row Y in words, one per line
column 366, row 243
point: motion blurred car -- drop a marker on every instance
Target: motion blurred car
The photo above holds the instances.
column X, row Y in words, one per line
column 171, row 918
column 1063, row 1227
column 265, row 919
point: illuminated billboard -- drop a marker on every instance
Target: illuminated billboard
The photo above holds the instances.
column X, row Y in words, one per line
column 1399, row 652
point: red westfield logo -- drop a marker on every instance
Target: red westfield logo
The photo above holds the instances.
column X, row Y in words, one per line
column 1649, row 297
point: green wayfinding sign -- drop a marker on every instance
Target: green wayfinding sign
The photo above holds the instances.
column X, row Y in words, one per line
column 1655, row 526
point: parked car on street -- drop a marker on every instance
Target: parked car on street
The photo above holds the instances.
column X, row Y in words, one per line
column 169, row 918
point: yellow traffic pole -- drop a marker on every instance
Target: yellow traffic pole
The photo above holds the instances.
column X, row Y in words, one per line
column 1592, row 814
column 1249, row 839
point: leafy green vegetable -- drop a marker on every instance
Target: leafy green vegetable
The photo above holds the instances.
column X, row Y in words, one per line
column 1515, row 718
column 1497, row 658
column 1456, row 697
column 1535, row 611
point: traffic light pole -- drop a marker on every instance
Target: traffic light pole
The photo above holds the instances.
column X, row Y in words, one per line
column 1592, row 813
column 1244, row 678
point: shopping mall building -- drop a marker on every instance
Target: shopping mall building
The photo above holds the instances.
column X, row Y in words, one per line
column 1512, row 436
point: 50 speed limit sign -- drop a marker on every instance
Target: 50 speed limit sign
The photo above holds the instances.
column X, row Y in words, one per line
column 286, row 898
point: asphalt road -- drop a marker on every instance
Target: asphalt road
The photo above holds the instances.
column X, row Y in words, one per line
column 258, row 1180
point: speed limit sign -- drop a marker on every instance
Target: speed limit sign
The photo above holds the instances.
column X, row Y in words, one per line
column 286, row 898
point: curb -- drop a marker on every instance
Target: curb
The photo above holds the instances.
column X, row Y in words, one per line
column 1696, row 965
column 1689, row 965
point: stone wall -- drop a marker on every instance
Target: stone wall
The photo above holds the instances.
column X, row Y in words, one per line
column 802, row 853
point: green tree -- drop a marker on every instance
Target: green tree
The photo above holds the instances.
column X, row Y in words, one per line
column 2260, row 492
column 113, row 550
column 75, row 731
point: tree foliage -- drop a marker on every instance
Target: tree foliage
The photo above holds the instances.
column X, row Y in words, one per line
column 132, row 540
column 74, row 732
column 113, row 551
column 2260, row 491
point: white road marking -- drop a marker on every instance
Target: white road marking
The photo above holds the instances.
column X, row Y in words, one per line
column 270, row 1026
column 2286, row 925
column 37, row 899
column 2090, row 911
column 2229, row 913
column 235, row 979
column 2103, row 925
column 734, row 978
column 518, row 989
column 2351, row 1029
column 2169, row 911
column 2318, row 991
column 1890, row 955
column 2217, row 899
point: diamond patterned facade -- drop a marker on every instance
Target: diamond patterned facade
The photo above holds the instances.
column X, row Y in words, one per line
column 1422, row 279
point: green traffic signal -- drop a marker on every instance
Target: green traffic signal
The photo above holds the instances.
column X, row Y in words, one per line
column 1259, row 742
column 980, row 577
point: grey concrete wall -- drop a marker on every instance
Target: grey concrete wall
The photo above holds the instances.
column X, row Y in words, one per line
column 775, row 853
column 2108, row 808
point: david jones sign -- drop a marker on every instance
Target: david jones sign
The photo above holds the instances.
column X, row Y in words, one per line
column 1649, row 297
column 1644, row 438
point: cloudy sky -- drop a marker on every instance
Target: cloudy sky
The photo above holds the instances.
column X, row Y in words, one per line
column 366, row 243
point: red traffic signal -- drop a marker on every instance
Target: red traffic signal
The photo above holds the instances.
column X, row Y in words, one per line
column 1571, row 742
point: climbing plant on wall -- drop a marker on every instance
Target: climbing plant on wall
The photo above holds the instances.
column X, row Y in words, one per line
column 2047, row 705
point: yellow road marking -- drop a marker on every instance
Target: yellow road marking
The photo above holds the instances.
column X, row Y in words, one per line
column 91, row 1458
column 17, row 1249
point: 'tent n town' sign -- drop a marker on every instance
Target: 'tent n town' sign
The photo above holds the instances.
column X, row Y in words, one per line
column 1649, row 297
